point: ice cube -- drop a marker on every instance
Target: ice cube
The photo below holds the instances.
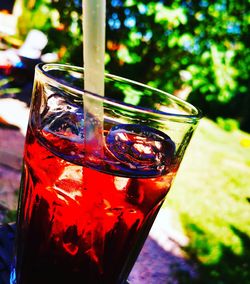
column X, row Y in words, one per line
column 63, row 117
column 140, row 149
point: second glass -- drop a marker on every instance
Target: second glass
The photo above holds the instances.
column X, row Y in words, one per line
column 84, row 213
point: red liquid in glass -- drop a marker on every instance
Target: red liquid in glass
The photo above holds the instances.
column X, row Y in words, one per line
column 78, row 224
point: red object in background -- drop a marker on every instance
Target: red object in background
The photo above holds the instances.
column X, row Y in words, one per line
column 6, row 69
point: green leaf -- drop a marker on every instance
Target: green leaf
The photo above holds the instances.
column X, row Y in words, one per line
column 186, row 39
column 125, row 56
column 129, row 3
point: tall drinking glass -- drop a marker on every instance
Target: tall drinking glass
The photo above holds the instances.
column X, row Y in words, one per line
column 83, row 214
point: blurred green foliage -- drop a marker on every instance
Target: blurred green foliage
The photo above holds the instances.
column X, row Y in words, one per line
column 211, row 194
column 196, row 48
column 5, row 88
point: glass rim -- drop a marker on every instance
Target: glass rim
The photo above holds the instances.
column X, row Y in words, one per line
column 43, row 69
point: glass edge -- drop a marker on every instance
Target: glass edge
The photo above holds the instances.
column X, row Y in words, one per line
column 52, row 80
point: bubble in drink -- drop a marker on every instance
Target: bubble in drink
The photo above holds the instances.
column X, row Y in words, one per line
column 143, row 150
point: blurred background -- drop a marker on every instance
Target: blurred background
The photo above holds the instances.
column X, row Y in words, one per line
column 199, row 51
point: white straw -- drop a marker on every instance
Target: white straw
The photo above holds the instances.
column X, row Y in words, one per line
column 94, row 15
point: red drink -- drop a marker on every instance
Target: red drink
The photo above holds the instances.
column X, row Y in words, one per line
column 79, row 224
column 86, row 208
